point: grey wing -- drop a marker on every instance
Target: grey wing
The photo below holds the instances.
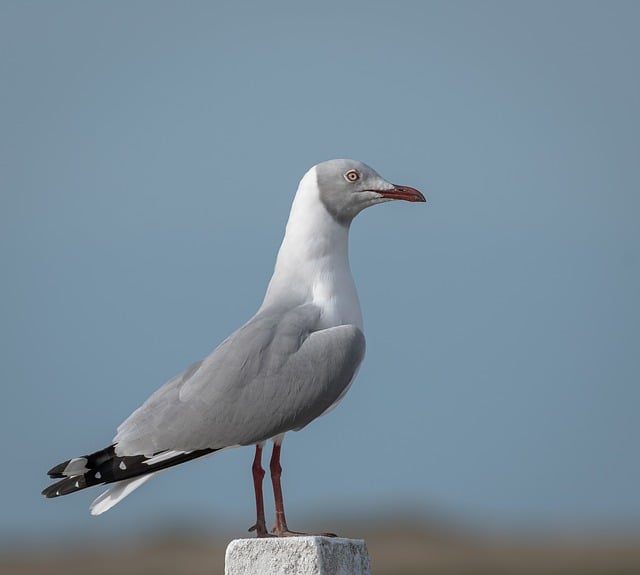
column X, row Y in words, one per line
column 276, row 373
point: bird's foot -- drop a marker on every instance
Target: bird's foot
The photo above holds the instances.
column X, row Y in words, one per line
column 261, row 530
column 285, row 532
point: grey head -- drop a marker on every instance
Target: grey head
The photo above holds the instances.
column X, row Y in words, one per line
column 347, row 187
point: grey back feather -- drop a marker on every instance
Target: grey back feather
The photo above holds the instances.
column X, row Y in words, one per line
column 276, row 373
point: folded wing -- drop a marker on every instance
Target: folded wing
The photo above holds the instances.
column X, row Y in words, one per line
column 276, row 373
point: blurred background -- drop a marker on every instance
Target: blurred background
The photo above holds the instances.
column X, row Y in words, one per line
column 149, row 152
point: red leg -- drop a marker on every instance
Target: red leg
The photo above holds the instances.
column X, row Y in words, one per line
column 280, row 528
column 260, row 526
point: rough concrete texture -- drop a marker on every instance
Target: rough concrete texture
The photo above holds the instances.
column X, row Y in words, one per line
column 297, row 556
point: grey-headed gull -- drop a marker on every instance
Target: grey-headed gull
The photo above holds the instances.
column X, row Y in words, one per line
column 293, row 361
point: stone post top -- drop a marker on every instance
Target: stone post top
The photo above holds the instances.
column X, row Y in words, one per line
column 305, row 555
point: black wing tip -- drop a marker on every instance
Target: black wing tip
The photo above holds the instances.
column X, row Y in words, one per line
column 64, row 487
column 105, row 467
column 93, row 460
column 51, row 491
column 48, row 492
column 56, row 472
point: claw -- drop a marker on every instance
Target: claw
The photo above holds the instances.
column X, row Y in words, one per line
column 261, row 531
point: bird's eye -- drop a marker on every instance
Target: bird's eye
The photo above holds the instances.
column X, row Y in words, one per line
column 352, row 176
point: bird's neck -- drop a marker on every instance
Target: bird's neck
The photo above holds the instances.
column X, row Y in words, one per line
column 313, row 260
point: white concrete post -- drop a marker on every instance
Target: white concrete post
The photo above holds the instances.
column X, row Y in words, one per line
column 297, row 556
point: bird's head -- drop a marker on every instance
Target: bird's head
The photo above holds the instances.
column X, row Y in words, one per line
column 346, row 187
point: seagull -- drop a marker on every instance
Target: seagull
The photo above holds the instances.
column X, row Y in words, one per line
column 292, row 362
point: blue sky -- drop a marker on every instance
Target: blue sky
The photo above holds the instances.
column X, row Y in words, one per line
column 149, row 152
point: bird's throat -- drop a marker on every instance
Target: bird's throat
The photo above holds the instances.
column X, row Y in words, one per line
column 313, row 261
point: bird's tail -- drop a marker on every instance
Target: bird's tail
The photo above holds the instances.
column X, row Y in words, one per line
column 126, row 472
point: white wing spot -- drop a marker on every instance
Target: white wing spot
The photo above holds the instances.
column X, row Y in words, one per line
column 122, row 465
column 77, row 484
column 76, row 466
column 98, row 475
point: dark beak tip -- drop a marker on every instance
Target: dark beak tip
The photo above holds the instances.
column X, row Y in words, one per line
column 409, row 194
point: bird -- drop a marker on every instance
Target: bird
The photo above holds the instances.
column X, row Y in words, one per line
column 292, row 362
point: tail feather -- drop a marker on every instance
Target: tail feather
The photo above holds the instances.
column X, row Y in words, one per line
column 117, row 492
column 127, row 472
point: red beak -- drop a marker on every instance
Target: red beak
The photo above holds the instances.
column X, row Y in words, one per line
column 403, row 193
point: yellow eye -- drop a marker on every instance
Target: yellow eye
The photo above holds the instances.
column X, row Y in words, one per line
column 352, row 176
